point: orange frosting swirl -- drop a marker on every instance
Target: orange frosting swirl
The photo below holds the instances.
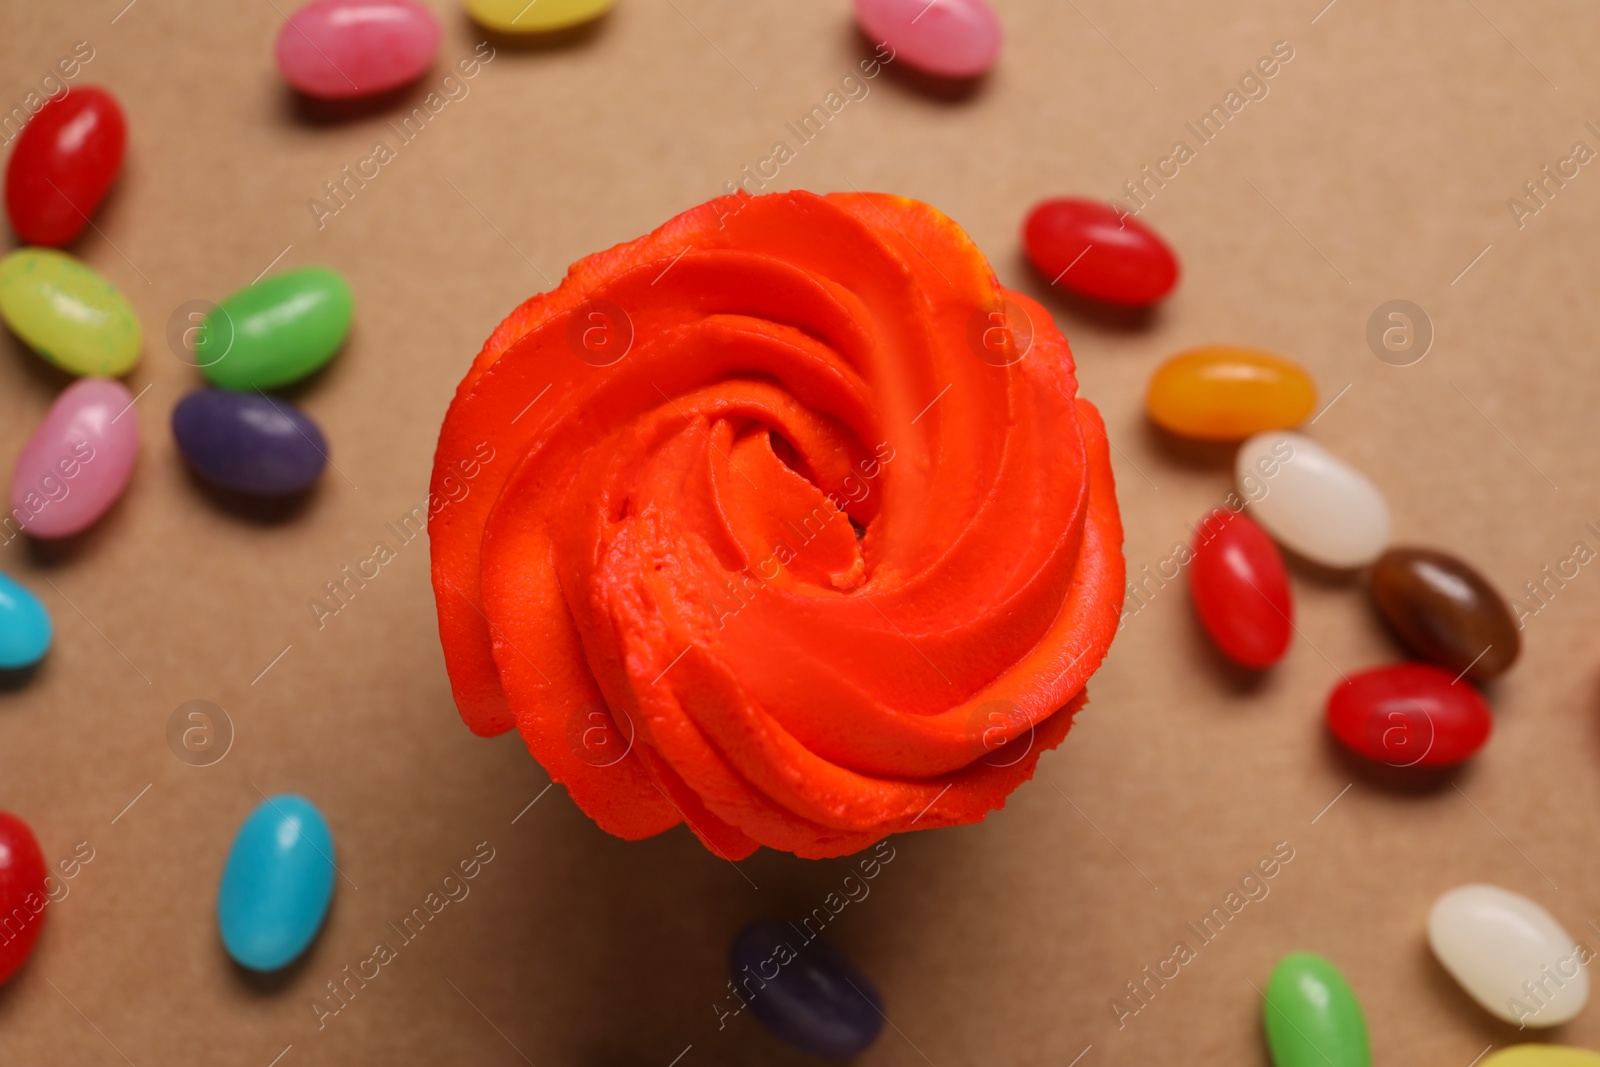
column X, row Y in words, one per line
column 783, row 522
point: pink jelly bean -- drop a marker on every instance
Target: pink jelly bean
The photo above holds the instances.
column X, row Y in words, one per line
column 78, row 461
column 949, row 38
column 338, row 49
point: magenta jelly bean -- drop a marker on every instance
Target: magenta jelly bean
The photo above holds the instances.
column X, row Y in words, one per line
column 339, row 49
column 1093, row 249
column 1409, row 715
column 79, row 460
column 947, row 38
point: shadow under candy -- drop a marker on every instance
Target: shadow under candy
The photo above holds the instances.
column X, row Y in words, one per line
column 1394, row 779
column 1112, row 318
column 1192, row 454
column 932, row 86
column 265, row 510
column 316, row 111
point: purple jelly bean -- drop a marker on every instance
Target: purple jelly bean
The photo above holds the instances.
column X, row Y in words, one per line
column 805, row 991
column 248, row 442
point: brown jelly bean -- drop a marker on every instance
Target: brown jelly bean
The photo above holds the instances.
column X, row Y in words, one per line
column 1445, row 612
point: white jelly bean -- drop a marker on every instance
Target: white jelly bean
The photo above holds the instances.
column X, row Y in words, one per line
column 1312, row 501
column 1509, row 954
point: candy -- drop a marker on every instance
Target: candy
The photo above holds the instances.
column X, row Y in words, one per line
column 1095, row 250
column 337, row 49
column 1445, row 612
column 1241, row 589
column 1311, row 501
column 276, row 331
column 277, row 884
column 1225, row 393
column 1409, row 715
column 1312, row 1016
column 24, row 627
column 248, row 442
column 1542, row 1056
column 805, row 991
column 65, row 161
column 1509, row 954
column 23, row 893
column 520, row 16
column 78, row 461
column 948, row 39
column 65, row 311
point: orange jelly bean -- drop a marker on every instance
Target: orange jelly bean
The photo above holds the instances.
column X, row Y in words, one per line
column 1226, row 393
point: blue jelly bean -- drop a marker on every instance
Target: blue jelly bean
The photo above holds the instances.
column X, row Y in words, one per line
column 278, row 883
column 805, row 991
column 24, row 627
column 249, row 442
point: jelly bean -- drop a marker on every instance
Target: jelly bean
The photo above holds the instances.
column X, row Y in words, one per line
column 1312, row 1016
column 948, row 39
column 1509, row 954
column 1224, row 393
column 804, row 990
column 1093, row 249
column 1311, row 501
column 1409, row 715
column 278, row 883
column 249, row 443
column 78, row 461
column 24, row 627
column 65, row 311
column 1445, row 612
column 23, row 893
column 65, row 161
column 1541, row 1056
column 1241, row 589
column 519, row 16
column 276, row 331
column 337, row 49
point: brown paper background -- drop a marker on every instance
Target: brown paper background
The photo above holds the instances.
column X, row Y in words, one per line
column 1380, row 163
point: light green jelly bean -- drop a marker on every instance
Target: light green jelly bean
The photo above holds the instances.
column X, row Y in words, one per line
column 276, row 331
column 67, row 312
column 1312, row 1016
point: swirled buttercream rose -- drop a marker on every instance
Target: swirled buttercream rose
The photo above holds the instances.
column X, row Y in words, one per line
column 783, row 522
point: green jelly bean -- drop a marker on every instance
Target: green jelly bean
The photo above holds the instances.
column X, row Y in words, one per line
column 276, row 331
column 1312, row 1016
column 67, row 312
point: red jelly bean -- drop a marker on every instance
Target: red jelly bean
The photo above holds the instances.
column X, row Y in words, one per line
column 64, row 162
column 22, row 893
column 1092, row 248
column 1409, row 715
column 1241, row 589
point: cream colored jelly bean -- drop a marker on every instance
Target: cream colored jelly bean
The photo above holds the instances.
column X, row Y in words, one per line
column 1311, row 501
column 1510, row 955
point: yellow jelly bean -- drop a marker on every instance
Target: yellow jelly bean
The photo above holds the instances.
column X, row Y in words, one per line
column 1227, row 393
column 1542, row 1056
column 65, row 311
column 535, row 16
